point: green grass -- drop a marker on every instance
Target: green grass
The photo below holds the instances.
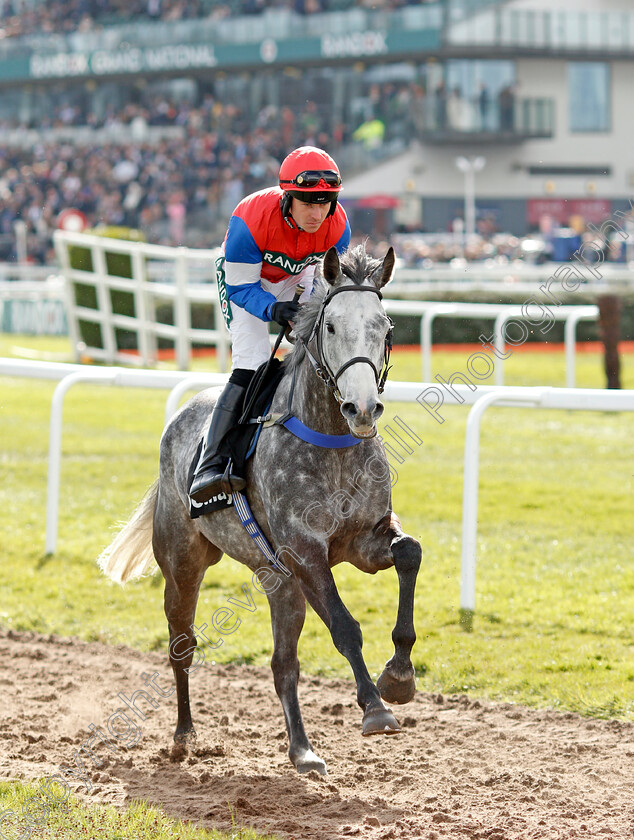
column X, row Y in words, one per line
column 555, row 579
column 555, row 582
column 73, row 820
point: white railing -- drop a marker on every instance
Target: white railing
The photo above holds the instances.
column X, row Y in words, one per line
column 502, row 314
column 517, row 277
column 183, row 276
column 185, row 265
column 178, row 382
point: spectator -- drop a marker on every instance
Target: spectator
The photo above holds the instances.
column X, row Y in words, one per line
column 506, row 104
column 483, row 106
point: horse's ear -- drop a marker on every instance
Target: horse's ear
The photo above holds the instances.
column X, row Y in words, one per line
column 332, row 268
column 387, row 269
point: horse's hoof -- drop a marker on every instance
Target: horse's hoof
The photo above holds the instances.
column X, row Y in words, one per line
column 396, row 691
column 380, row 721
column 309, row 761
column 183, row 742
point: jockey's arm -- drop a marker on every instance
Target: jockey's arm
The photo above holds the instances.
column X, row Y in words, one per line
column 243, row 267
column 246, row 292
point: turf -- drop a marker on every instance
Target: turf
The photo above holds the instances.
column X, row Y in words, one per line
column 72, row 819
column 555, row 582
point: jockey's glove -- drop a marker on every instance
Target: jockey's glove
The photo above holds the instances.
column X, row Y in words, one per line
column 284, row 311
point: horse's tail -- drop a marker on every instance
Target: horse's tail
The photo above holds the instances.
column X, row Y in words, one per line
column 130, row 554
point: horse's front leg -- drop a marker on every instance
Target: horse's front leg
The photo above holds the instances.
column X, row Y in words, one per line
column 288, row 611
column 321, row 593
column 397, row 683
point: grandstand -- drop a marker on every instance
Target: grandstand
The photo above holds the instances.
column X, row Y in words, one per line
column 162, row 114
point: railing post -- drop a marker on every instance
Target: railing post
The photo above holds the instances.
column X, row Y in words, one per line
column 55, row 446
column 182, row 311
column 470, row 494
column 500, row 345
column 63, row 255
column 146, row 345
column 425, row 332
column 100, row 268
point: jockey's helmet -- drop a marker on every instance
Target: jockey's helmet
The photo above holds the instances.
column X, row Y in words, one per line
column 310, row 175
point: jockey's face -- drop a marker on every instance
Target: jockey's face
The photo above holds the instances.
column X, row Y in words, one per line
column 309, row 217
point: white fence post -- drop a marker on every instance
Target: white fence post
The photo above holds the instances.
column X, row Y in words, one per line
column 182, row 315
column 470, row 491
column 55, row 446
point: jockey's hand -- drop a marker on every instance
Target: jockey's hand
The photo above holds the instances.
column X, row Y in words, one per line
column 284, row 311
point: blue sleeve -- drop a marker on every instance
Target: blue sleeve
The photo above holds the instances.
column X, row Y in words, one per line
column 240, row 246
column 243, row 263
column 253, row 298
column 344, row 239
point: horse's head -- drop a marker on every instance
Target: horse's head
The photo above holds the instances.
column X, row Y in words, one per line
column 353, row 335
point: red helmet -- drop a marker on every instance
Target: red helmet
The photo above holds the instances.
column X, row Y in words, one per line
column 310, row 175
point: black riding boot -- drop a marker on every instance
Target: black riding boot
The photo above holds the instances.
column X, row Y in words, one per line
column 211, row 467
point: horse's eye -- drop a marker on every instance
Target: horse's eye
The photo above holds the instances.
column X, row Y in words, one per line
column 330, row 328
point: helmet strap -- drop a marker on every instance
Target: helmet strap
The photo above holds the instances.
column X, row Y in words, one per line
column 285, row 206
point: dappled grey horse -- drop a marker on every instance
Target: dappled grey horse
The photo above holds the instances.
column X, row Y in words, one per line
column 318, row 504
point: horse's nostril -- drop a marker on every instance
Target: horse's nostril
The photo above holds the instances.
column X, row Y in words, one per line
column 378, row 411
column 349, row 410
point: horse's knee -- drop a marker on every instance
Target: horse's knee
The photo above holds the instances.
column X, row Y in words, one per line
column 407, row 553
column 346, row 633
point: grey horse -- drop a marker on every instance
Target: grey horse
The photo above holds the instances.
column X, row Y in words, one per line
column 317, row 506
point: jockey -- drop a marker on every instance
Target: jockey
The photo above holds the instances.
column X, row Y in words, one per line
column 274, row 239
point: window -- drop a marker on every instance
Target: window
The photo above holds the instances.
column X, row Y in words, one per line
column 589, row 87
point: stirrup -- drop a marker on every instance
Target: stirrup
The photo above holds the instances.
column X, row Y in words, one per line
column 215, row 484
column 231, row 483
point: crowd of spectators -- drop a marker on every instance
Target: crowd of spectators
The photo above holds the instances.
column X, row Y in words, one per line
column 25, row 17
column 182, row 188
column 179, row 190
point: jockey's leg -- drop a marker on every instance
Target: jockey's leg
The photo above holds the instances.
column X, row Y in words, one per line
column 250, row 347
column 210, row 472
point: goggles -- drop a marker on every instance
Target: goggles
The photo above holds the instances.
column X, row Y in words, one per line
column 312, row 177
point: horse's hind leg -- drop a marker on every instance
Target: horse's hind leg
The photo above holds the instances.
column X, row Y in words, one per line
column 288, row 610
column 397, row 683
column 183, row 558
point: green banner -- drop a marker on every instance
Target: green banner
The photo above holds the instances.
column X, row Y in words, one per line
column 189, row 56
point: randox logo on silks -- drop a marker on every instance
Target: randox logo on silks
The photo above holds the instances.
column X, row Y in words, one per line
column 225, row 306
column 289, row 265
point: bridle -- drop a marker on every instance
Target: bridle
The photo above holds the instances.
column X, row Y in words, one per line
column 322, row 369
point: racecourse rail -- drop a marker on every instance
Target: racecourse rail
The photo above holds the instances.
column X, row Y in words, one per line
column 179, row 382
column 183, row 276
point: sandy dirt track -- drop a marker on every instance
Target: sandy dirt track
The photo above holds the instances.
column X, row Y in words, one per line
column 461, row 770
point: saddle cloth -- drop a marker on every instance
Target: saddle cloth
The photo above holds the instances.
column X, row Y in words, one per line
column 240, row 442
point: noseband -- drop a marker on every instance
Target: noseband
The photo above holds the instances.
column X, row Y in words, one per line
column 320, row 364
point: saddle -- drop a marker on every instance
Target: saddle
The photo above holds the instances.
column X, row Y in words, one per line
column 240, row 442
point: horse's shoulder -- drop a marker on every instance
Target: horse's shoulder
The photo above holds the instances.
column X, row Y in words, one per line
column 191, row 416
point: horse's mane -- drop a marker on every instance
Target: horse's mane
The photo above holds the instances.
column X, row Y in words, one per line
column 356, row 266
